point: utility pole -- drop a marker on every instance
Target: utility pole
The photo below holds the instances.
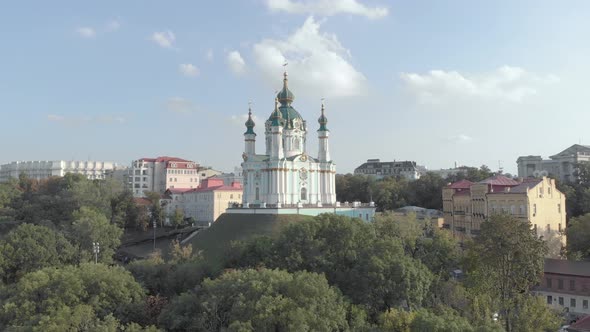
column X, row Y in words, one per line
column 154, row 224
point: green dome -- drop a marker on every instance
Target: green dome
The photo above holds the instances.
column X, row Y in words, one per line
column 250, row 123
column 285, row 96
column 287, row 114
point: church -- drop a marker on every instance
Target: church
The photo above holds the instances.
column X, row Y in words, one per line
column 284, row 178
column 285, row 175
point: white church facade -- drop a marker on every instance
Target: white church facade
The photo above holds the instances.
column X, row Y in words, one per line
column 285, row 179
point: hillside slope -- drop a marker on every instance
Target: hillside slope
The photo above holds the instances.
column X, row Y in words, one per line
column 215, row 240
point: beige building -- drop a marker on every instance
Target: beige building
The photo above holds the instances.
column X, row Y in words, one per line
column 93, row 170
column 561, row 165
column 466, row 205
column 162, row 173
column 205, row 203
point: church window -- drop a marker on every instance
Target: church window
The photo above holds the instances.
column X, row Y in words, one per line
column 303, row 194
column 257, row 194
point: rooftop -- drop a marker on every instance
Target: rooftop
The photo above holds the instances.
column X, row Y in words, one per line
column 574, row 268
column 500, row 180
column 463, row 184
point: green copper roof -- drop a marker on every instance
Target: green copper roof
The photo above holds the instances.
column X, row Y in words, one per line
column 285, row 96
column 250, row 124
column 276, row 117
column 323, row 120
column 287, row 113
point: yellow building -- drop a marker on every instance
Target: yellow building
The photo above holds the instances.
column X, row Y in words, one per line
column 536, row 200
column 205, row 203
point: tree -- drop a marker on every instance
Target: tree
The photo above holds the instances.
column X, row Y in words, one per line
column 29, row 247
column 49, row 296
column 507, row 261
column 156, row 210
column 9, row 192
column 535, row 315
column 578, row 237
column 91, row 226
column 353, row 256
column 259, row 300
column 177, row 218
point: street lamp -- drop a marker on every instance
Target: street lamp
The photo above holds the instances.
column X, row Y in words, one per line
column 96, row 251
column 154, row 235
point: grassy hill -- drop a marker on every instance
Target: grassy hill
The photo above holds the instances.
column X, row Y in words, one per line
column 229, row 227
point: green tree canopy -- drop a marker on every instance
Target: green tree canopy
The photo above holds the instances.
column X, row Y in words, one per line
column 578, row 237
column 30, row 247
column 259, row 300
column 91, row 226
column 54, row 293
column 507, row 261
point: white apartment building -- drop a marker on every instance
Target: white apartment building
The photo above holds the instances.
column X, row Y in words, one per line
column 162, row 173
column 44, row 169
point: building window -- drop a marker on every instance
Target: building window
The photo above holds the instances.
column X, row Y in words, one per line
column 559, row 283
column 170, row 179
column 560, row 227
column 585, row 304
column 558, row 208
column 534, row 210
column 231, row 196
column 549, row 299
column 549, row 283
column 560, row 300
column 548, row 228
column 304, row 194
column 257, row 194
column 573, row 303
column 572, row 284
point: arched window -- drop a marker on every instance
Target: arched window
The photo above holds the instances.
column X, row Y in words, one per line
column 304, row 194
column 296, row 147
column 257, row 194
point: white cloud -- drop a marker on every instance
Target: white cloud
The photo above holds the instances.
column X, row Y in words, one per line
column 55, row 117
column 113, row 25
column 188, row 69
column 461, row 138
column 86, row 32
column 209, row 55
column 165, row 39
column 236, row 63
column 317, row 63
column 508, row 84
column 327, row 7
column 180, row 105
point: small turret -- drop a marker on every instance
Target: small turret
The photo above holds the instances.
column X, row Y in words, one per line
column 276, row 117
column 323, row 120
column 250, row 135
column 250, row 123
column 323, row 135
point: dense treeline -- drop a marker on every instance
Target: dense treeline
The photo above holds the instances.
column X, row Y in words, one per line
column 331, row 273
column 394, row 192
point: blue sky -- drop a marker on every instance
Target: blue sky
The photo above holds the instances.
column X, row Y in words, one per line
column 430, row 81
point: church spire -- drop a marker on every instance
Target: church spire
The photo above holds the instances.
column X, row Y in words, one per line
column 250, row 123
column 276, row 116
column 285, row 96
column 323, row 120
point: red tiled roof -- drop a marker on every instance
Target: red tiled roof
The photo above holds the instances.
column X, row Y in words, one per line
column 583, row 325
column 500, row 180
column 463, row 184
